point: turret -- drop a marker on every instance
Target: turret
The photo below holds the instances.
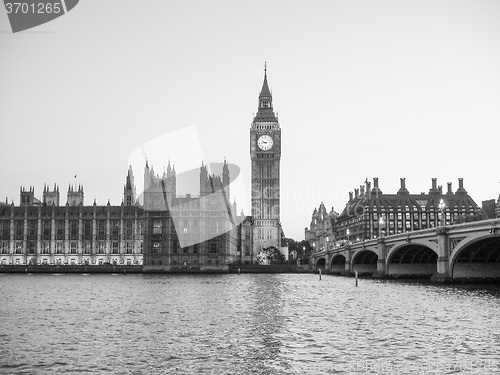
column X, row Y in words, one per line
column 225, row 179
column 129, row 189
column 50, row 198
column 27, row 197
column 75, row 195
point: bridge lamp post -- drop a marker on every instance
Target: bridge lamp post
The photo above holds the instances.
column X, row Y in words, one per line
column 442, row 206
column 381, row 224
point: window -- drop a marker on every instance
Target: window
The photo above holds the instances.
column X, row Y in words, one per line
column 18, row 229
column 5, row 234
column 87, row 247
column 195, row 249
column 115, row 227
column 59, row 247
column 101, row 228
column 129, row 247
column 73, row 228
column 115, row 247
column 156, row 247
column 32, row 228
column 129, row 228
column 87, row 228
column 157, row 227
column 247, row 250
column 213, row 247
column 46, row 247
column 4, row 247
column 73, row 247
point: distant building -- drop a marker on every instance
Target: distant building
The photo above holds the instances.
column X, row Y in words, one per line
column 189, row 231
column 370, row 212
column 42, row 232
column 320, row 233
column 489, row 207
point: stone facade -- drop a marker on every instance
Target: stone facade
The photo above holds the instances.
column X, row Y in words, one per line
column 36, row 233
column 369, row 213
column 159, row 229
column 265, row 153
column 320, row 233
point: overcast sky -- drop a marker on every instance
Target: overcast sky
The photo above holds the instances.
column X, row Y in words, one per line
column 363, row 89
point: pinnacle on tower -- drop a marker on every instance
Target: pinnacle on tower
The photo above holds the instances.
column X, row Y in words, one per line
column 265, row 111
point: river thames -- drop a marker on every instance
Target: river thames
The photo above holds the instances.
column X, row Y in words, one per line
column 244, row 324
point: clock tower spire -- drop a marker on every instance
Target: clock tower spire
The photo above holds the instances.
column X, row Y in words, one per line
column 265, row 154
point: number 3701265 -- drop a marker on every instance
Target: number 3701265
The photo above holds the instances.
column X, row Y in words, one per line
column 33, row 8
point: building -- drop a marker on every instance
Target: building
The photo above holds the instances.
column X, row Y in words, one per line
column 265, row 154
column 320, row 233
column 42, row 232
column 162, row 230
column 189, row 231
column 370, row 213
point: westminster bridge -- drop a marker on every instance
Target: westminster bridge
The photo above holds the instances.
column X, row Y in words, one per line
column 469, row 250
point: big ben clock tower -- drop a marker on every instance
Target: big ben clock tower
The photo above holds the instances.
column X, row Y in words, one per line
column 265, row 153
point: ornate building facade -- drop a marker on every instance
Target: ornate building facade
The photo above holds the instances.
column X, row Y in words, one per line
column 370, row 213
column 43, row 232
column 187, row 231
column 320, row 233
column 162, row 230
column 265, row 154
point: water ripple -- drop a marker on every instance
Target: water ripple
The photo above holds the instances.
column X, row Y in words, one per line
column 250, row 324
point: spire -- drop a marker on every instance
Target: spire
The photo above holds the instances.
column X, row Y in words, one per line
column 265, row 111
column 265, row 92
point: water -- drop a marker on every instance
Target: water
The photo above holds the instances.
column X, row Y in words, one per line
column 243, row 324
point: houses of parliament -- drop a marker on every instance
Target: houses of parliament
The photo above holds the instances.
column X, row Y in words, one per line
column 161, row 230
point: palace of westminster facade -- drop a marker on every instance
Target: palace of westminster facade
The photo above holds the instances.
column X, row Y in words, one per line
column 163, row 231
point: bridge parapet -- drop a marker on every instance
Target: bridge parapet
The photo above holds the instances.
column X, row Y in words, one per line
column 447, row 242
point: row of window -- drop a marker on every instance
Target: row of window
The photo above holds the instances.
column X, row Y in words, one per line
column 72, row 225
column 46, row 247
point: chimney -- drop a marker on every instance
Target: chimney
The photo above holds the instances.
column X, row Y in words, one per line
column 403, row 183
column 461, row 186
column 368, row 187
column 350, row 196
column 356, row 193
column 440, row 189
column 449, row 189
column 362, row 190
column 434, row 183
column 375, row 182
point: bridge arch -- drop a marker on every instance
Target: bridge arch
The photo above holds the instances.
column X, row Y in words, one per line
column 337, row 264
column 364, row 261
column 321, row 264
column 412, row 259
column 476, row 257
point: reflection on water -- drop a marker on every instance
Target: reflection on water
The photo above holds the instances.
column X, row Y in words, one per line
column 249, row 324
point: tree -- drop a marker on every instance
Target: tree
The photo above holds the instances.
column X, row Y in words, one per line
column 271, row 255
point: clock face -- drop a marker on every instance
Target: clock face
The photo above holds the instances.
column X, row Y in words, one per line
column 265, row 142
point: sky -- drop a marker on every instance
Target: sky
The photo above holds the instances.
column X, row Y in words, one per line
column 362, row 89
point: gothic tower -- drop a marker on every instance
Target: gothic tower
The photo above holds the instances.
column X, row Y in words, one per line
column 51, row 198
column 265, row 153
column 75, row 196
column 129, row 189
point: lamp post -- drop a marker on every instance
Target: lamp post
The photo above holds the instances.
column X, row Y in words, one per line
column 381, row 224
column 348, row 232
column 442, row 206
